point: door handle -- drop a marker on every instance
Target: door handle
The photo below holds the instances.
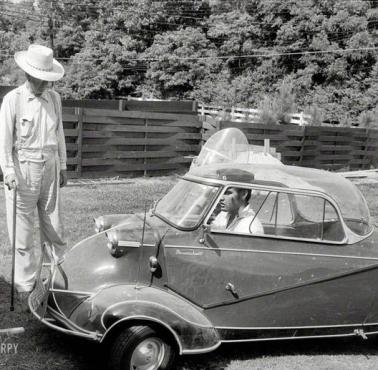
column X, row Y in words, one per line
column 231, row 288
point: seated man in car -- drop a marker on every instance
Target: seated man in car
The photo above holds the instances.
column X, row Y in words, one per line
column 236, row 215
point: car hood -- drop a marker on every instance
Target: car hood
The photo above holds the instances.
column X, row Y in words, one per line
column 89, row 265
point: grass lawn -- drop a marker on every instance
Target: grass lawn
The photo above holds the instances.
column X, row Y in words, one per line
column 42, row 348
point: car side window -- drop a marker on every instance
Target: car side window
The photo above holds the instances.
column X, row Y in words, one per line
column 274, row 208
column 311, row 211
column 276, row 213
column 300, row 216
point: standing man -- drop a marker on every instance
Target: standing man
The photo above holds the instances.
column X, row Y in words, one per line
column 33, row 158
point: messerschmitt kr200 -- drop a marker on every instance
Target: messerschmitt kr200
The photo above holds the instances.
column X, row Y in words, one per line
column 169, row 281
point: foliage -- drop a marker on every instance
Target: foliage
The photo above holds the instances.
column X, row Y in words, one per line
column 267, row 110
column 314, row 115
column 227, row 52
column 180, row 59
column 368, row 119
column 279, row 107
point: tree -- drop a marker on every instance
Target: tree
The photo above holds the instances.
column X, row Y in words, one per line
column 179, row 60
column 235, row 34
column 19, row 27
column 108, row 65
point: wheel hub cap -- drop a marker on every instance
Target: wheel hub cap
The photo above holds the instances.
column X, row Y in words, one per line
column 148, row 355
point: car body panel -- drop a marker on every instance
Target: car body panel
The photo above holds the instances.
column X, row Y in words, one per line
column 206, row 286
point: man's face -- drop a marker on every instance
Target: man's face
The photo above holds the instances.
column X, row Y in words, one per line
column 231, row 201
column 37, row 86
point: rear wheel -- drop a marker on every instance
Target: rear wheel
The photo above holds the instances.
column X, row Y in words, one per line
column 141, row 348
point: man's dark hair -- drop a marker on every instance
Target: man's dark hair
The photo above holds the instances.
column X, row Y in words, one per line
column 248, row 197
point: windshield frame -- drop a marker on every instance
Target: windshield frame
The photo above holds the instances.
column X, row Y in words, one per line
column 205, row 212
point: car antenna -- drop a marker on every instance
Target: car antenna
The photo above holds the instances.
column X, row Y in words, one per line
column 141, row 245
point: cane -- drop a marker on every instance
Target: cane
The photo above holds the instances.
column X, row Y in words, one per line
column 13, row 245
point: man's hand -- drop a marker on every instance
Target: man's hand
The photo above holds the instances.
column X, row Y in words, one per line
column 10, row 181
column 63, row 178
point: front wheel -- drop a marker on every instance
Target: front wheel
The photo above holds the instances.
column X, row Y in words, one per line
column 141, row 348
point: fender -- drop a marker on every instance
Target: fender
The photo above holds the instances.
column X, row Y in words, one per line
column 193, row 332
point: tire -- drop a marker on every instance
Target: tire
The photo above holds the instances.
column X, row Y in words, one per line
column 141, row 348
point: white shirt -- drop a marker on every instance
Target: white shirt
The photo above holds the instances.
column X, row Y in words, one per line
column 240, row 224
column 41, row 127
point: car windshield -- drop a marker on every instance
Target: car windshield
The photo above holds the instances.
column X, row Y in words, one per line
column 185, row 205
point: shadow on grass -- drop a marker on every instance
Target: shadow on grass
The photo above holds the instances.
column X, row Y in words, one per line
column 322, row 347
column 40, row 347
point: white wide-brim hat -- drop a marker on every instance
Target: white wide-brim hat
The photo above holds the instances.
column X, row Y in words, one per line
column 38, row 62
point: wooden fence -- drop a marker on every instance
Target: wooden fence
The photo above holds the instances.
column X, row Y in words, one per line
column 331, row 148
column 104, row 142
column 128, row 138
column 134, row 138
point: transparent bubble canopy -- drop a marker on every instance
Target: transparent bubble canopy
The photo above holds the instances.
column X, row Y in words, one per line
column 226, row 146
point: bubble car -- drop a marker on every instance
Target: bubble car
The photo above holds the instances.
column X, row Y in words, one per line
column 296, row 258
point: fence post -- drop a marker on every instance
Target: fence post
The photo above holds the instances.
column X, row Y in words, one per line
column 232, row 113
column 145, row 147
column 202, row 110
column 266, row 146
column 365, row 156
column 303, row 144
column 121, row 105
column 79, row 113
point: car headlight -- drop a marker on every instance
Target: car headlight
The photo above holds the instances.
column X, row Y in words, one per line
column 99, row 224
column 112, row 240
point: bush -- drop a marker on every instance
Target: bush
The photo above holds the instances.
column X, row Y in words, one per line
column 368, row 119
column 267, row 111
column 284, row 103
column 279, row 108
column 315, row 115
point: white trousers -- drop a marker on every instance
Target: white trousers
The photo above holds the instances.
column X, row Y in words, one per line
column 37, row 188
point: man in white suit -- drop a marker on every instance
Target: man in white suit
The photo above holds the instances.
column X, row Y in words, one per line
column 33, row 158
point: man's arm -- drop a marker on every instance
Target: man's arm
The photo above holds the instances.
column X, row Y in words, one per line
column 7, row 121
column 61, row 145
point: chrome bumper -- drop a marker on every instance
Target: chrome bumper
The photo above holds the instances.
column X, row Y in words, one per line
column 38, row 300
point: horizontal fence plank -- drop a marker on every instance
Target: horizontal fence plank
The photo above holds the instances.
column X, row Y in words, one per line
column 133, row 128
column 179, row 147
column 189, row 107
column 338, row 139
column 108, row 158
column 72, row 160
column 143, row 141
column 91, row 103
column 134, row 167
column 103, row 120
column 340, row 148
column 136, row 141
column 71, row 132
column 69, row 117
column 71, row 146
column 96, row 162
column 137, row 114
